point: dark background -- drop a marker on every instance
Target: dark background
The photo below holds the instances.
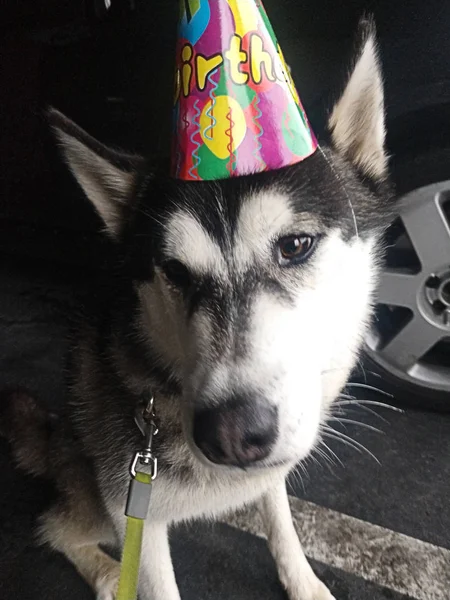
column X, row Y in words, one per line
column 111, row 71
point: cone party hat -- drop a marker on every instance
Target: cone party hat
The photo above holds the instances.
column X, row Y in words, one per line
column 237, row 110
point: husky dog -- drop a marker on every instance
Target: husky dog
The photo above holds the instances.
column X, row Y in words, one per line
column 241, row 305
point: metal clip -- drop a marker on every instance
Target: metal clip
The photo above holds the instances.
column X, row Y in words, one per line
column 145, row 420
column 146, row 458
column 144, row 417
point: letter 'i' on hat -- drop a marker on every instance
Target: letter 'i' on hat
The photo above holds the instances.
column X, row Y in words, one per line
column 237, row 110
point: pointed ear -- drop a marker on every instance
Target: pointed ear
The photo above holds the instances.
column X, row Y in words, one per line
column 357, row 121
column 106, row 177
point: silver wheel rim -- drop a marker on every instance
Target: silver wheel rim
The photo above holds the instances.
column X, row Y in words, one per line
column 417, row 296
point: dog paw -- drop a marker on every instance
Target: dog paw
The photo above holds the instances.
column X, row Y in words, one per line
column 107, row 585
column 108, row 591
column 316, row 591
column 323, row 593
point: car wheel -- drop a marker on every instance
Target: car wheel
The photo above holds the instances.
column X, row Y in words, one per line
column 407, row 350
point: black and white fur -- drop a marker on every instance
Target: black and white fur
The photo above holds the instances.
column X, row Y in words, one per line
column 234, row 324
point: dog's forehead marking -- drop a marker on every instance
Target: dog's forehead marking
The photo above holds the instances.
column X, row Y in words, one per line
column 262, row 217
column 188, row 241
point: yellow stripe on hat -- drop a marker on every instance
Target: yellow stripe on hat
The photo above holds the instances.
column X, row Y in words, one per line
column 245, row 16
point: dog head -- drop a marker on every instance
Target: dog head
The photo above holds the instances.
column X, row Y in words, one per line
column 254, row 291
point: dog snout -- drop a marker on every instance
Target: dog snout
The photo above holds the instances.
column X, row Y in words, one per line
column 236, row 433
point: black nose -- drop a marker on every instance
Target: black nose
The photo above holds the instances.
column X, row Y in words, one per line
column 236, row 433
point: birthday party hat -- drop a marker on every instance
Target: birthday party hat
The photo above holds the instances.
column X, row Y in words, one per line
column 237, row 110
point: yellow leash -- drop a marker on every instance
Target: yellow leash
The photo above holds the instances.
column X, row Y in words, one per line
column 131, row 553
column 138, row 502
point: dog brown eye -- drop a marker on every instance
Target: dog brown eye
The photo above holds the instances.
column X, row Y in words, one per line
column 177, row 273
column 294, row 249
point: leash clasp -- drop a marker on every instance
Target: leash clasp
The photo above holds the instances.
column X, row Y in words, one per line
column 145, row 458
column 145, row 420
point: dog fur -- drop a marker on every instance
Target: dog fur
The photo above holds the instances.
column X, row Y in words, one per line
column 285, row 337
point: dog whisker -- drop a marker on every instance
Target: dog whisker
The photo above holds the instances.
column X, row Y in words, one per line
column 297, row 477
column 369, row 387
column 361, row 403
column 372, row 373
column 333, row 370
column 331, row 459
column 333, row 433
column 348, row 397
column 323, row 455
column 332, row 452
column 361, row 368
column 344, row 189
column 354, row 422
column 364, row 370
column 304, row 469
column 338, row 438
column 151, row 216
column 346, row 411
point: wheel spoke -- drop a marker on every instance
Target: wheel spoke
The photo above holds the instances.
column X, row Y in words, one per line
column 411, row 343
column 429, row 232
column 397, row 289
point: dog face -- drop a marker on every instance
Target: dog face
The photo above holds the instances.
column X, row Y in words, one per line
column 254, row 292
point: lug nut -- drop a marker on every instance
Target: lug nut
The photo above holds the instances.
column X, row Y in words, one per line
column 433, row 282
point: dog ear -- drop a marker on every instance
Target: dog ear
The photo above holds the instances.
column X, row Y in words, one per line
column 107, row 177
column 357, row 122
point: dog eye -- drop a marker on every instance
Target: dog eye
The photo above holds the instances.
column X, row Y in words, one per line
column 294, row 249
column 177, row 273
